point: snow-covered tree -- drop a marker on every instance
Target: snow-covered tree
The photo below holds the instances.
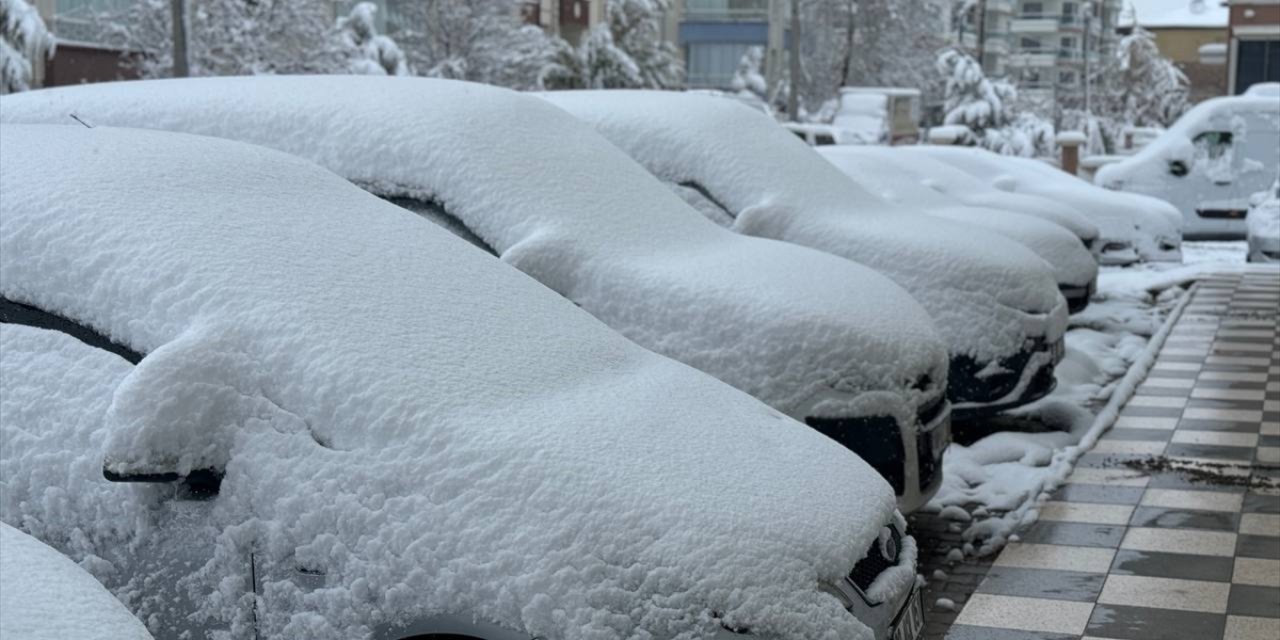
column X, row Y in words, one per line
column 971, row 99
column 986, row 109
column 1147, row 89
column 371, row 52
column 477, row 40
column 867, row 43
column 232, row 37
column 626, row 51
column 24, row 43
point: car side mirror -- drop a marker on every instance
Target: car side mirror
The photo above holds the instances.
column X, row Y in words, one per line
column 1178, row 168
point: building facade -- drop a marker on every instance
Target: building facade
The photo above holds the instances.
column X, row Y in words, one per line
column 1254, row 51
column 1046, row 47
column 713, row 36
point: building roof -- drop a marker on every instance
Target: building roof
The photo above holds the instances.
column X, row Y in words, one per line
column 1167, row 14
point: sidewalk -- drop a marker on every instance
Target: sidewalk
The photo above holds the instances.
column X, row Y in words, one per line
column 1170, row 527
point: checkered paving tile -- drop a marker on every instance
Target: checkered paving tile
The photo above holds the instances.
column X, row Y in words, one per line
column 1170, row 527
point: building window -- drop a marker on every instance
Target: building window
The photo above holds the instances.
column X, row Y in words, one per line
column 1067, row 78
column 1257, row 61
column 1032, row 9
column 712, row 64
column 1030, row 44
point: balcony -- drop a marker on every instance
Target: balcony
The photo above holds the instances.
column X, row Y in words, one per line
column 726, row 10
column 1034, row 23
column 1029, row 57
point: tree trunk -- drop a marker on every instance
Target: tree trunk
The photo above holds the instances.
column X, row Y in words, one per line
column 178, row 17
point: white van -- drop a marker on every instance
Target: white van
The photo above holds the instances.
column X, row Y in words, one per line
column 1207, row 164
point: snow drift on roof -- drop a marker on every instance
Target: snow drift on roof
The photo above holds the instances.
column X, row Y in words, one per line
column 556, row 200
column 1156, row 14
column 433, row 431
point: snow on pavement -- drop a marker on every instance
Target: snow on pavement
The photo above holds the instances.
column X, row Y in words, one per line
column 994, row 485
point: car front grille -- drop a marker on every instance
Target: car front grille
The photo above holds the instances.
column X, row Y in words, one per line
column 875, row 439
column 873, row 563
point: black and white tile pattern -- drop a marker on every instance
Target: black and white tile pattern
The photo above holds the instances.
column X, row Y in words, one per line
column 1170, row 527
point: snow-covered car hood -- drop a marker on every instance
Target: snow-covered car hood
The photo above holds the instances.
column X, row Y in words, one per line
column 432, row 430
column 970, row 190
column 977, row 286
column 886, row 174
column 1149, row 230
column 46, row 596
column 557, row 201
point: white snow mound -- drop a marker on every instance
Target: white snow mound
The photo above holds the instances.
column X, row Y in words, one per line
column 430, row 430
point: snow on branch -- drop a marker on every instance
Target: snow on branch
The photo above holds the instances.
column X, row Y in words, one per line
column 24, row 42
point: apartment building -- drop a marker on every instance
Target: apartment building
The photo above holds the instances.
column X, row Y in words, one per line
column 1044, row 46
column 713, row 35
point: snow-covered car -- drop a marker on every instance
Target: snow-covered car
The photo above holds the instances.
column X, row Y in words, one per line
column 972, row 191
column 344, row 422
column 1263, row 224
column 1133, row 228
column 1207, row 164
column 995, row 301
column 889, row 175
column 543, row 192
column 46, row 596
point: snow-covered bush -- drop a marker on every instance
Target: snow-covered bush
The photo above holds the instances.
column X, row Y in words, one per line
column 24, row 42
column 986, row 108
column 627, row 51
column 372, row 52
column 230, row 37
column 749, row 77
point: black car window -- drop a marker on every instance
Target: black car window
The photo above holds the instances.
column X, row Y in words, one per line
column 699, row 198
column 436, row 212
column 18, row 313
column 1215, row 143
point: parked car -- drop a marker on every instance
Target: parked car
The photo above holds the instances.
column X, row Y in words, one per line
column 535, row 187
column 344, row 422
column 1208, row 163
column 973, row 191
column 1263, row 224
column 994, row 301
column 1133, row 228
column 46, row 596
column 888, row 174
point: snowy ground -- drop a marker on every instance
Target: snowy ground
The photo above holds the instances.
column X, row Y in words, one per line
column 994, row 485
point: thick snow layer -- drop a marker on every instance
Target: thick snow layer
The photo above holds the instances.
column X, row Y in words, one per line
column 1145, row 227
column 788, row 325
column 985, row 293
column 975, row 192
column 45, row 596
column 888, row 175
column 1195, row 14
column 429, row 429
